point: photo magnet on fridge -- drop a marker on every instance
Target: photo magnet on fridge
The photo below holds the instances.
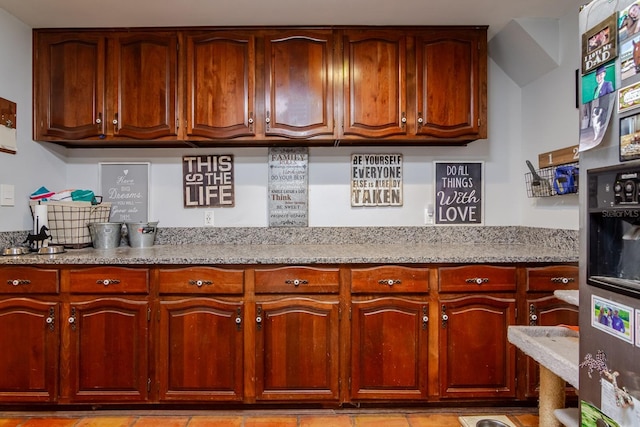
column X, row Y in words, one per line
column 600, row 44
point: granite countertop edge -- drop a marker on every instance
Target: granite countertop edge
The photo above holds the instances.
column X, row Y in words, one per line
column 192, row 254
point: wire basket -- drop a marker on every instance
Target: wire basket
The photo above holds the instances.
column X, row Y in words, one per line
column 68, row 221
column 554, row 181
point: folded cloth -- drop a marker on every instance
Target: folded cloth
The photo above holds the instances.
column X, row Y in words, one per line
column 41, row 194
column 82, row 195
column 62, row 195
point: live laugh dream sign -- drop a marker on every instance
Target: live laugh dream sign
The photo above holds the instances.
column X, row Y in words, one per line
column 458, row 191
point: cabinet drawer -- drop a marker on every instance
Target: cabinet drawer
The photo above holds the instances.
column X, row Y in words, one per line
column 297, row 280
column 552, row 277
column 28, row 280
column 200, row 280
column 477, row 278
column 389, row 279
column 109, row 280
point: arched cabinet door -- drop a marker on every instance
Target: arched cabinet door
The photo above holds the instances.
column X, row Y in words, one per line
column 69, row 85
column 451, row 88
column 220, row 93
column 374, row 88
column 299, row 84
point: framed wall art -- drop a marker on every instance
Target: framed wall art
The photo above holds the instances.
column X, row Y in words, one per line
column 459, row 192
column 126, row 186
column 630, row 138
column 600, row 44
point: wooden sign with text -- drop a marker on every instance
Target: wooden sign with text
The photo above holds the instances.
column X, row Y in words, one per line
column 288, row 187
column 208, row 181
column 376, row 180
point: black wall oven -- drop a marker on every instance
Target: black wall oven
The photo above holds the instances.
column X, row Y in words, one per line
column 613, row 248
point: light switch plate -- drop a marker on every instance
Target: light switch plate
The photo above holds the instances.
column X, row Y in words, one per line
column 7, row 195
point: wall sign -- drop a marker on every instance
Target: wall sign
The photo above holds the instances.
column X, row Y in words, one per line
column 8, row 123
column 126, row 186
column 288, row 186
column 376, row 180
column 458, row 191
column 208, row 181
column 600, row 44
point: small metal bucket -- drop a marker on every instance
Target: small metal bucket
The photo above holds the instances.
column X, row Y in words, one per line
column 141, row 234
column 105, row 235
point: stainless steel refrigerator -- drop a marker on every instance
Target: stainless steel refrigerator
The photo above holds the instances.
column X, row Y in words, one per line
column 609, row 197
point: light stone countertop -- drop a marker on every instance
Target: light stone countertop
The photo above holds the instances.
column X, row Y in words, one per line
column 304, row 254
column 554, row 347
column 572, row 297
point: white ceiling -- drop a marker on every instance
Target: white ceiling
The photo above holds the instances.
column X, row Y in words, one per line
column 171, row 13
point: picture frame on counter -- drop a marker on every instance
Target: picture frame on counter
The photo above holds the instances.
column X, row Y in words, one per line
column 459, row 192
column 126, row 185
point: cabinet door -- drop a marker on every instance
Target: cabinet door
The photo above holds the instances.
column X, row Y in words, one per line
column 143, row 85
column 105, row 350
column 375, row 68
column 201, row 357
column 70, row 79
column 29, row 357
column 476, row 359
column 546, row 310
column 299, row 84
column 297, row 342
column 451, row 83
column 220, row 85
column 389, row 349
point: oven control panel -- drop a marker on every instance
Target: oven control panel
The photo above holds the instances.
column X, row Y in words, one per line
column 626, row 188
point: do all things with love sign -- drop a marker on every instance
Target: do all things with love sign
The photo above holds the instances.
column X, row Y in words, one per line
column 458, row 193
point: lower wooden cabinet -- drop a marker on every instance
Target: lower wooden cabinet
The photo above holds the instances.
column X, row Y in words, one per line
column 201, row 349
column 546, row 310
column 29, row 336
column 105, row 350
column 389, row 349
column 325, row 335
column 476, row 359
column 297, row 349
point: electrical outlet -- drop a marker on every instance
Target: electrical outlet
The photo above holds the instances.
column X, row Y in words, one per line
column 208, row 218
column 428, row 215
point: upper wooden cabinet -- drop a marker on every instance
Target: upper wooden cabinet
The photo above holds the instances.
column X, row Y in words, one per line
column 415, row 85
column 298, row 77
column 295, row 75
column 261, row 86
column 451, row 84
column 105, row 86
column 375, row 78
column 220, row 75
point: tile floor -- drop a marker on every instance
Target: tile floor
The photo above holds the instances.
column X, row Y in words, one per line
column 524, row 417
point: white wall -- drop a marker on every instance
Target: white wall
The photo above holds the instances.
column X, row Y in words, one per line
column 505, row 201
column 550, row 122
column 33, row 165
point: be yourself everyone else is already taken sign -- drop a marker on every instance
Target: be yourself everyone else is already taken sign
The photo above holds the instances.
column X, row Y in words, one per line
column 458, row 190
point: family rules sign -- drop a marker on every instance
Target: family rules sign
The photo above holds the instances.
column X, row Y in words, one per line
column 458, row 191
